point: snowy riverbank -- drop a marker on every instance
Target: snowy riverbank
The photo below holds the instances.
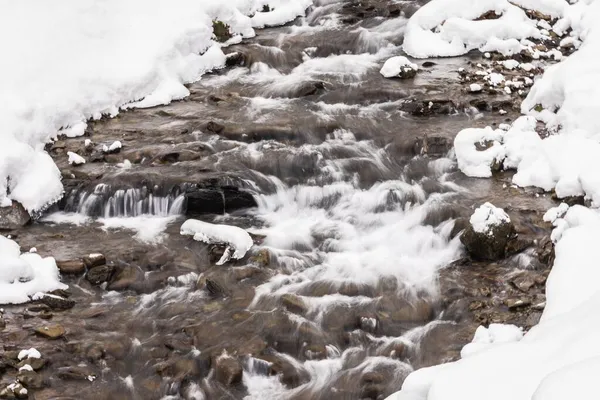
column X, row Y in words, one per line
column 557, row 358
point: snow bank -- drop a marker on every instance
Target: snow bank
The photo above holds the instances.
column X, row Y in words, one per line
column 445, row 28
column 558, row 358
column 88, row 58
column 23, row 275
column 236, row 239
column 488, row 216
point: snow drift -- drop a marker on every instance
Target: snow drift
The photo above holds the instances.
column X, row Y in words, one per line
column 87, row 59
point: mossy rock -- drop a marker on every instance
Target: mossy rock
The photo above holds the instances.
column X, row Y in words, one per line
column 221, row 31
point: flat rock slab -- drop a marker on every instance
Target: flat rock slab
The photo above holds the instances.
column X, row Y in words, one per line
column 51, row 332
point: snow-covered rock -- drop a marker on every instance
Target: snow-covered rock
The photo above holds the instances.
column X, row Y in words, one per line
column 114, row 147
column 399, row 67
column 23, row 275
column 488, row 233
column 237, row 240
column 75, row 159
column 479, row 151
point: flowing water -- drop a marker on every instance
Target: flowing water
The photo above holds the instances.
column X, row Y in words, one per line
column 339, row 298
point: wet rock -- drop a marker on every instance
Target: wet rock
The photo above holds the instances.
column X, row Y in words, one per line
column 100, row 274
column 545, row 251
column 215, row 127
column 30, row 379
column 262, row 258
column 228, row 370
column 235, row 59
column 215, row 288
column 71, row 267
column 289, row 374
column 94, row 260
column 13, row 216
column 459, row 226
column 14, row 391
column 308, row 89
column 125, row 278
column 488, row 246
column 516, row 245
column 514, row 304
column 435, row 146
column 57, row 302
column 75, row 373
column 35, row 363
column 524, row 281
column 217, row 200
column 424, row 108
column 294, row 303
column 52, row 332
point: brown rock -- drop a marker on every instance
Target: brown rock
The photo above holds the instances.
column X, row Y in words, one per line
column 228, row 370
column 13, row 216
column 513, row 304
column 294, row 303
column 30, row 379
column 74, row 267
column 100, row 274
column 51, row 332
column 94, row 260
column 125, row 278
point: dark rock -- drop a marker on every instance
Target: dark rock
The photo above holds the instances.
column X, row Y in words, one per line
column 74, row 267
column 74, row 373
column 524, row 281
column 101, row 274
column 221, row 31
column 236, row 59
column 545, row 251
column 488, row 246
column 215, row 127
column 94, row 260
column 14, row 391
column 459, row 225
column 52, row 332
column 309, row 89
column 13, row 217
column 57, row 302
column 436, row 146
column 217, row 200
column 424, row 108
column 125, row 277
column 35, row 363
column 228, row 370
column 30, row 379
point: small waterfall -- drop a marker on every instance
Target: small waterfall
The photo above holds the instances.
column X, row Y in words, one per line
column 131, row 202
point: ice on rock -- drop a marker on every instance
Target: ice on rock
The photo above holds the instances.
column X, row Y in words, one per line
column 488, row 216
column 75, row 159
column 399, row 66
column 237, row 240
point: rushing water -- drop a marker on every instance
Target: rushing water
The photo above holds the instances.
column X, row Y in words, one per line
column 355, row 221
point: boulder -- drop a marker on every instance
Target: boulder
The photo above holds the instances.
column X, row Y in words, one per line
column 13, row 216
column 94, row 260
column 228, row 370
column 101, row 274
column 57, row 302
column 217, row 200
column 488, row 233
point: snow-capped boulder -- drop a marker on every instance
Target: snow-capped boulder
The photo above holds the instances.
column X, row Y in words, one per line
column 399, row 67
column 488, row 233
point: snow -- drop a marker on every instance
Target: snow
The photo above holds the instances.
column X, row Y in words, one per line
column 26, row 367
column 30, row 353
column 237, row 240
column 475, row 87
column 116, row 145
column 22, row 275
column 559, row 358
column 396, row 65
column 474, row 161
column 445, row 28
column 75, row 159
column 120, row 54
column 484, row 338
column 488, row 216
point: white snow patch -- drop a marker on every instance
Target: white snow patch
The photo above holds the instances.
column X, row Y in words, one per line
column 488, row 216
column 75, row 159
column 237, row 240
column 30, row 353
column 396, row 65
